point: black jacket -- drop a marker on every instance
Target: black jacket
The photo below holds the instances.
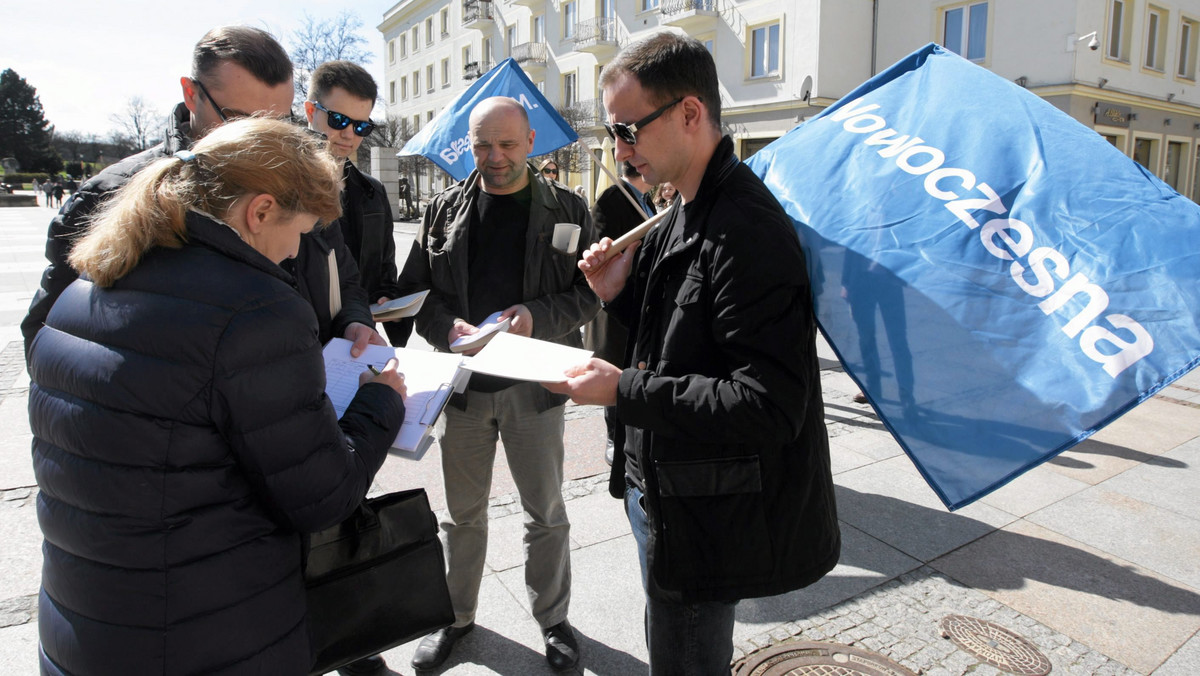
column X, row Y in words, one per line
column 72, row 219
column 182, row 442
column 367, row 227
column 726, row 419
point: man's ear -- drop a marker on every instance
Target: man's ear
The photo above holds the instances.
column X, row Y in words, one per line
column 693, row 111
column 191, row 93
column 309, row 111
column 259, row 211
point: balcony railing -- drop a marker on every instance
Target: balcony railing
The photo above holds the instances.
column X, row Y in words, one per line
column 585, row 113
column 532, row 53
column 476, row 10
column 476, row 69
column 690, row 14
column 671, row 7
column 596, row 31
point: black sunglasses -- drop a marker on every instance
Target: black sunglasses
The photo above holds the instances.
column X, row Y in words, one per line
column 628, row 132
column 550, row 170
column 220, row 110
column 339, row 121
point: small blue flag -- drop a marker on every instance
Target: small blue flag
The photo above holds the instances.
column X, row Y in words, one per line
column 445, row 140
column 999, row 279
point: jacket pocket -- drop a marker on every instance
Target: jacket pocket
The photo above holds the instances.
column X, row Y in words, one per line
column 714, row 528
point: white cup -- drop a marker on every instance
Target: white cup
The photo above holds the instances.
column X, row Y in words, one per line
column 566, row 237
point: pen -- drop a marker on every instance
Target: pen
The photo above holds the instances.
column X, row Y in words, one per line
column 373, row 369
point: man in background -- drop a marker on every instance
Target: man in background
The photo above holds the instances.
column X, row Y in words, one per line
column 341, row 96
column 614, row 215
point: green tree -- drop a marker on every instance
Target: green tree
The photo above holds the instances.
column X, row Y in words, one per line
column 25, row 133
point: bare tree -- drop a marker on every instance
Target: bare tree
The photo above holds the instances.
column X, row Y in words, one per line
column 326, row 40
column 138, row 123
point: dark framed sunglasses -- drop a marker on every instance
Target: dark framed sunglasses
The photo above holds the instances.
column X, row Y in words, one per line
column 550, row 170
column 339, row 121
column 225, row 113
column 628, row 132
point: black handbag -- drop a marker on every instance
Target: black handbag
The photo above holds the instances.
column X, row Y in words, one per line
column 376, row 580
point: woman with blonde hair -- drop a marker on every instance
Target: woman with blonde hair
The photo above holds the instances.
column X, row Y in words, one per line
column 182, row 438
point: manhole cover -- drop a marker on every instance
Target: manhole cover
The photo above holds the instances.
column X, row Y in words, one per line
column 995, row 645
column 821, row 659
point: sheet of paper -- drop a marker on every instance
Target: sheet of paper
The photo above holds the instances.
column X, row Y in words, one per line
column 521, row 358
column 429, row 376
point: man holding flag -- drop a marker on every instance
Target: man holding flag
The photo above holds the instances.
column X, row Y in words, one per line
column 486, row 245
column 725, row 467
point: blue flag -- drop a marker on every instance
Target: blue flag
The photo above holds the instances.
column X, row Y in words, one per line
column 999, row 279
column 444, row 139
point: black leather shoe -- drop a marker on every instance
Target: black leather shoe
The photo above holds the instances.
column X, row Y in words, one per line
column 436, row 647
column 562, row 648
column 367, row 666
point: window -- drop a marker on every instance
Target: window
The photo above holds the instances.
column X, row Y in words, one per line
column 445, row 73
column 510, row 36
column 403, row 45
column 1145, row 153
column 1156, row 47
column 608, row 9
column 1176, row 156
column 485, row 55
column 964, row 30
column 648, row 5
column 537, row 29
column 391, row 51
column 416, row 123
column 416, row 38
column 1188, row 32
column 445, row 16
column 570, row 89
column 1119, row 18
column 764, row 51
column 429, row 78
column 467, row 56
column 429, row 31
column 429, row 116
column 416, row 83
column 569, row 19
column 404, row 88
column 391, row 91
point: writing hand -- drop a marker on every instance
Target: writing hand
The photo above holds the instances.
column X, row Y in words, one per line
column 389, row 376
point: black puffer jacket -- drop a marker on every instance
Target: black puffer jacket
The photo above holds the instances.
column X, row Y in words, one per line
column 724, row 411
column 182, row 442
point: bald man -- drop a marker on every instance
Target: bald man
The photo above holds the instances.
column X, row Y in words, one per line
column 485, row 245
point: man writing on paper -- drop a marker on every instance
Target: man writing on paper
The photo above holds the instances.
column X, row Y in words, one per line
column 486, row 245
column 725, row 467
column 236, row 71
column 341, row 96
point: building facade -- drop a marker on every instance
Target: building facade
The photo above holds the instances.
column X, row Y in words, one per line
column 1126, row 68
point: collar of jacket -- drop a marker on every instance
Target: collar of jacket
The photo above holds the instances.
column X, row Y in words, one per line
column 543, row 196
column 178, row 133
column 224, row 240
column 720, row 167
column 356, row 181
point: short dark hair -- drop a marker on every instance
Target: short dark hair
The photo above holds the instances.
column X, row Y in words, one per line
column 345, row 74
column 251, row 48
column 670, row 66
column 627, row 169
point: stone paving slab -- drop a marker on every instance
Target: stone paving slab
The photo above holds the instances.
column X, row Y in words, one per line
column 1120, row 609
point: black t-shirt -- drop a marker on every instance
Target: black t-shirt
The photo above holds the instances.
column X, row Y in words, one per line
column 496, row 263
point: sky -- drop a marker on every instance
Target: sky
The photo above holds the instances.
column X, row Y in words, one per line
column 87, row 59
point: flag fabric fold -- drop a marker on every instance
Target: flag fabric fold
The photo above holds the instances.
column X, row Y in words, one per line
column 999, row 279
column 444, row 139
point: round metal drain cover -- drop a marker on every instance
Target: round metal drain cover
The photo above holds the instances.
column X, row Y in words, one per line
column 995, row 645
column 816, row 659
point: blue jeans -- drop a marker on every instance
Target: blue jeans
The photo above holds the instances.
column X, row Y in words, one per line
column 687, row 639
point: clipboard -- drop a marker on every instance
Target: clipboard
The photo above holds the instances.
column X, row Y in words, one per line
column 431, row 377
